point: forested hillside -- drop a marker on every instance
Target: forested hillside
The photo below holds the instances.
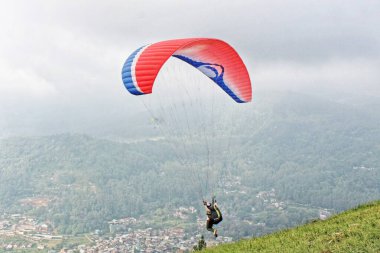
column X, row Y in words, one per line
column 293, row 156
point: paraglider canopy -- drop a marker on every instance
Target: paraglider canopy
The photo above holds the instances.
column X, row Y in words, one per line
column 214, row 58
column 194, row 118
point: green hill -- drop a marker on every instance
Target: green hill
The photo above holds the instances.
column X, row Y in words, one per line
column 356, row 230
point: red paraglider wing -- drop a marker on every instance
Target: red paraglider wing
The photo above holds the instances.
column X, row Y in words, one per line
column 215, row 58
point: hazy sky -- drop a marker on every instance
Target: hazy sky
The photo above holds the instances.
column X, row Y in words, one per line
column 60, row 61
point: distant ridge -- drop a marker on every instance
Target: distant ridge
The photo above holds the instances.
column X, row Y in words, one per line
column 355, row 230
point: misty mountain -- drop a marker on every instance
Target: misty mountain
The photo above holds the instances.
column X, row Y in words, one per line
column 312, row 151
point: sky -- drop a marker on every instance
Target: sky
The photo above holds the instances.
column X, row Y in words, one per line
column 60, row 61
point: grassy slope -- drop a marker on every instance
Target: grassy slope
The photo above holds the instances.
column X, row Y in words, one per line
column 356, row 230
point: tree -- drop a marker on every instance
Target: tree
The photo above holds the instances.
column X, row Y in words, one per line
column 201, row 244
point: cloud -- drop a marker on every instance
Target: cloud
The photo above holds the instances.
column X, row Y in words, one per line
column 359, row 76
column 67, row 56
column 25, row 83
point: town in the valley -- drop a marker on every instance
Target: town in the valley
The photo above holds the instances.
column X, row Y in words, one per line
column 20, row 232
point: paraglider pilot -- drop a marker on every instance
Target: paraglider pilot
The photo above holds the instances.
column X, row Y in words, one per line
column 214, row 216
